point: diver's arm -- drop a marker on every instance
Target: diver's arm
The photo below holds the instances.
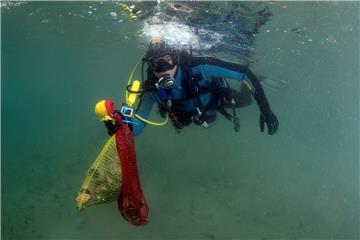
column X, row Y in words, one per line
column 213, row 67
column 143, row 111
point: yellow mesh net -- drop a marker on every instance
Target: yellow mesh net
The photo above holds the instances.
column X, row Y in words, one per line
column 102, row 181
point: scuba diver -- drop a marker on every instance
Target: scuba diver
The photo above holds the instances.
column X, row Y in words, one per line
column 186, row 89
column 191, row 88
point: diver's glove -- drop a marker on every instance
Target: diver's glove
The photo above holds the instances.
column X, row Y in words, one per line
column 111, row 127
column 271, row 122
column 118, row 117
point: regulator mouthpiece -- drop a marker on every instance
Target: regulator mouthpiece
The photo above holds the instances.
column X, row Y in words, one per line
column 165, row 82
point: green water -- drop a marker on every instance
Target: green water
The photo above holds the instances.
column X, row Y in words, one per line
column 302, row 183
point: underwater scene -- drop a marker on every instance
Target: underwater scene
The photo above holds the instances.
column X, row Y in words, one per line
column 273, row 154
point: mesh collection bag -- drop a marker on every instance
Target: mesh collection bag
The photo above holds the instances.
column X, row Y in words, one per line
column 103, row 179
column 114, row 175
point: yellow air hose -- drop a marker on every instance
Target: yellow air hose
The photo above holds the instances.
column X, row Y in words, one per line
column 127, row 100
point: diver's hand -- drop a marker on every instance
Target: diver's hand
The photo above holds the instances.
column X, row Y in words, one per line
column 114, row 124
column 271, row 122
column 111, row 127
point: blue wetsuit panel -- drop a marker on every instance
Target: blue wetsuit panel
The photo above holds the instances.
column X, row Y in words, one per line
column 210, row 71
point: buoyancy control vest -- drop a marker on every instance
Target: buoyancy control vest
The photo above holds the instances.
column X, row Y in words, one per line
column 221, row 97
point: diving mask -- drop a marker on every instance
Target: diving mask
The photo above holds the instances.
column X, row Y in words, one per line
column 162, row 64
